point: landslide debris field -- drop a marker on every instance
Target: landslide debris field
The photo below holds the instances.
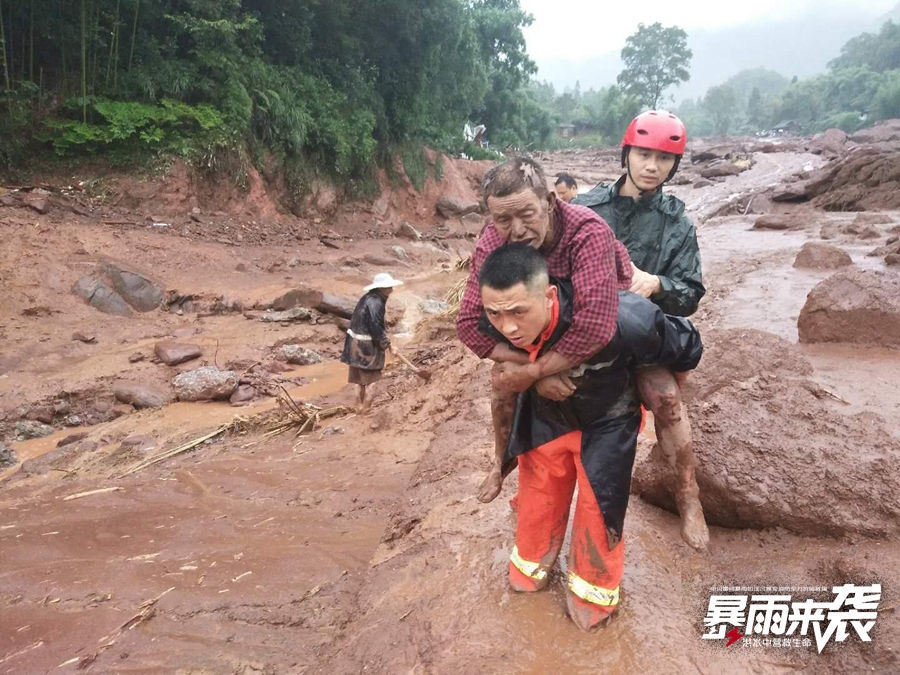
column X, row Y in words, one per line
column 185, row 488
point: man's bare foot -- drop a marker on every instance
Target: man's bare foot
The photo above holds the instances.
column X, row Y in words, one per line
column 490, row 486
column 693, row 524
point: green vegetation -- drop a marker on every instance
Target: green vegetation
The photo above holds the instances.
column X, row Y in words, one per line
column 861, row 86
column 325, row 88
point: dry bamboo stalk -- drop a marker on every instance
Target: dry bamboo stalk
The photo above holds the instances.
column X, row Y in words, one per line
column 79, row 495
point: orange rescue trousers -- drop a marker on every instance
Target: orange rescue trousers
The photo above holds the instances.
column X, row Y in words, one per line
column 547, row 478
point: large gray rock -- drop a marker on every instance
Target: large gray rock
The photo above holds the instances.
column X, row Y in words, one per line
column 721, row 168
column 294, row 314
column 172, row 353
column 856, row 306
column 24, row 430
column 101, row 297
column 817, row 256
column 773, row 221
column 7, row 456
column 205, row 384
column 141, row 395
column 830, row 142
column 298, row 355
column 138, row 291
column 773, row 451
column 453, row 207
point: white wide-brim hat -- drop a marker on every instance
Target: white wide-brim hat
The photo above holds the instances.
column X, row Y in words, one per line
column 382, row 280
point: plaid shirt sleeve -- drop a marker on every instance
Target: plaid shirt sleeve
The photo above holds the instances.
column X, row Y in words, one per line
column 470, row 307
column 596, row 278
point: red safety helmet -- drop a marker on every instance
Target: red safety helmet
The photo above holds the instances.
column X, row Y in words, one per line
column 656, row 130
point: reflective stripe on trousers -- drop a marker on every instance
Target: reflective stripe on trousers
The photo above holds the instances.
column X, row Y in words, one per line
column 548, row 475
column 532, row 570
column 595, row 594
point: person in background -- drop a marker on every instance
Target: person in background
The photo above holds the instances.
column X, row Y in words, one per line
column 367, row 340
column 566, row 187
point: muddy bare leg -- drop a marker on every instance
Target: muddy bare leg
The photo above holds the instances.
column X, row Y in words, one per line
column 662, row 395
column 362, row 405
column 503, row 406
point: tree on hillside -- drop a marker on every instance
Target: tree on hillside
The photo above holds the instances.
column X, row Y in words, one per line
column 877, row 52
column 720, row 104
column 655, row 58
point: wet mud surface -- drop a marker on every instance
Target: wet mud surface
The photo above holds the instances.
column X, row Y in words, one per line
column 361, row 546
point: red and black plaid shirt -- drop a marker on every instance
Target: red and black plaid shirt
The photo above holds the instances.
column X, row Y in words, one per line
column 584, row 251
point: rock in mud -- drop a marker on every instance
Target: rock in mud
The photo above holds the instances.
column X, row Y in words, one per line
column 407, row 231
column 141, row 395
column 243, row 394
column 796, row 192
column 702, row 183
column 138, row 291
column 298, row 355
column 775, row 222
column 892, row 259
column 205, row 384
column 173, row 353
column 773, row 451
column 7, row 456
column 717, row 169
column 872, row 218
column 856, row 306
column 293, row 314
column 864, row 179
column 24, row 430
column 830, row 142
column 101, row 297
column 817, row 256
column 452, row 207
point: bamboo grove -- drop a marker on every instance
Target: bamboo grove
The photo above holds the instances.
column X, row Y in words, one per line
column 330, row 85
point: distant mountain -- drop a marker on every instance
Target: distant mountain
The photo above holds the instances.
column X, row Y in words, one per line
column 790, row 48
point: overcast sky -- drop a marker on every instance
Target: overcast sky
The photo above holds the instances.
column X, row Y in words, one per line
column 578, row 29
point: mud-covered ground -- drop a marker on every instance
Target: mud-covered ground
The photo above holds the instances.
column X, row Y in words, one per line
column 360, row 546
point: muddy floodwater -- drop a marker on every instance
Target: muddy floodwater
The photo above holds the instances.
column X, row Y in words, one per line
column 360, row 546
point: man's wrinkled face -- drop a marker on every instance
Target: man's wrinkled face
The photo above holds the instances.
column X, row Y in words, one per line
column 522, row 217
column 519, row 313
column 565, row 192
column 649, row 168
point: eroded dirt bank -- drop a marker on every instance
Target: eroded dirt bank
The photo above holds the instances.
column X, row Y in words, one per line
column 361, row 546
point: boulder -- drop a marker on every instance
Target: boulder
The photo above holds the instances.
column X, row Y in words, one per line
column 702, row 183
column 817, row 256
column 205, row 384
column 141, row 395
column 830, row 142
column 298, row 355
column 138, row 291
column 773, row 451
column 243, row 394
column 854, row 306
column 172, row 353
column 7, row 456
column 101, row 297
column 407, row 231
column 25, row 430
column 295, row 314
column 773, row 221
column 872, row 218
column 720, row 168
column 323, row 302
column 793, row 193
column 453, row 207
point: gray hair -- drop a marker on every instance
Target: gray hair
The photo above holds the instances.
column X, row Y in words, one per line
column 514, row 175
